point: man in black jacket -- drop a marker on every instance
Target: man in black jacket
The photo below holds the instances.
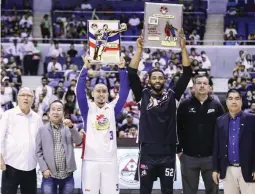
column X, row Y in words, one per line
column 157, row 126
column 196, row 118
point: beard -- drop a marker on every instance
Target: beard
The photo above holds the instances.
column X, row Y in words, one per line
column 157, row 89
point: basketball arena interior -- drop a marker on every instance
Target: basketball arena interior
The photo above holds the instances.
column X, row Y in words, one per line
column 220, row 39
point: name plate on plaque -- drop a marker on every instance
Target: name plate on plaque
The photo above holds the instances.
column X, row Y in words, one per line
column 162, row 24
column 104, row 40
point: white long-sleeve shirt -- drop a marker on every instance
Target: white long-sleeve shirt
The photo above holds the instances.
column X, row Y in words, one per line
column 15, row 50
column 57, row 66
column 17, row 138
column 28, row 48
column 39, row 90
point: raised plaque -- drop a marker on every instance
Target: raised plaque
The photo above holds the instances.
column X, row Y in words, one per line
column 162, row 24
column 104, row 40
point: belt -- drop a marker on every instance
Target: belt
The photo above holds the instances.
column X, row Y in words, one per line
column 235, row 164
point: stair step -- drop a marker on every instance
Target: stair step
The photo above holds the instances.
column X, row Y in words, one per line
column 208, row 26
column 214, row 29
column 37, row 21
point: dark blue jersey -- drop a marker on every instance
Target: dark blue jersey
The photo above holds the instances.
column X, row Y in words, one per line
column 157, row 125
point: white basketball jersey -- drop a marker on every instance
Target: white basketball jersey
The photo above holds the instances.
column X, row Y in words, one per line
column 101, row 144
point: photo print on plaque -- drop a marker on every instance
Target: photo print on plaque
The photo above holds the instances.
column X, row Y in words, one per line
column 104, row 40
column 162, row 26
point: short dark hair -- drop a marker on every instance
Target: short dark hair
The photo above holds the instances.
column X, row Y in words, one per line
column 156, row 70
column 210, row 82
column 234, row 91
column 57, row 101
column 44, row 78
column 200, row 76
column 243, row 79
column 45, row 114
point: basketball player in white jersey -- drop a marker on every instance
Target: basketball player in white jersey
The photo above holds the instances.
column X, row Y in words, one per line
column 99, row 146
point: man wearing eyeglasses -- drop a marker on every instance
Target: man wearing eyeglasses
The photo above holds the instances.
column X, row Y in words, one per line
column 19, row 127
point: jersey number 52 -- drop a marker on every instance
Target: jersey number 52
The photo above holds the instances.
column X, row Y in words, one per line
column 169, row 172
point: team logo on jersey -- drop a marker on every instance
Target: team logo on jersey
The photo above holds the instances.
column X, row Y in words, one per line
column 192, row 110
column 143, row 166
column 210, row 111
column 143, row 173
column 154, row 103
column 102, row 122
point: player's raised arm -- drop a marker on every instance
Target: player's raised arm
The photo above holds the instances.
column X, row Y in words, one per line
column 182, row 83
column 81, row 90
column 135, row 82
column 124, row 87
column 122, row 29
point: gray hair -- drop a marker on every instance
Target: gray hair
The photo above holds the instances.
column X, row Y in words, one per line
column 27, row 89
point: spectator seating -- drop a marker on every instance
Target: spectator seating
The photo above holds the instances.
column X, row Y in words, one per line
column 18, row 5
column 119, row 6
column 244, row 79
column 63, row 20
column 242, row 15
column 241, row 7
column 244, row 24
column 12, row 14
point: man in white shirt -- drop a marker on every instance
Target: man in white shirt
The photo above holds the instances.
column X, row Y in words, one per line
column 55, row 50
column 230, row 28
column 15, row 50
column 134, row 21
column 54, row 65
column 39, row 89
column 195, row 36
column 85, row 5
column 206, row 63
column 19, row 127
column 25, row 22
column 28, row 49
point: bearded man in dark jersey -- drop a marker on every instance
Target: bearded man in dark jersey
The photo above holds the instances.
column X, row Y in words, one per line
column 157, row 126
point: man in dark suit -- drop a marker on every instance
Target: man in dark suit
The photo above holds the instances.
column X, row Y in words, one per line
column 234, row 148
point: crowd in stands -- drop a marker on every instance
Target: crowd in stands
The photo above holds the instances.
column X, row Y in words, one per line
column 240, row 7
column 16, row 25
column 243, row 79
column 73, row 25
column 237, row 38
column 239, row 22
column 62, row 71
column 16, row 20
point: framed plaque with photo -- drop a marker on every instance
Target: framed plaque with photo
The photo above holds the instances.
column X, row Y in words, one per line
column 162, row 24
column 104, row 40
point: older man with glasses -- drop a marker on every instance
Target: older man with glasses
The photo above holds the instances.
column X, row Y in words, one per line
column 19, row 127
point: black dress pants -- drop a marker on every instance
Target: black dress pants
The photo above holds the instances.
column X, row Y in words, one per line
column 12, row 178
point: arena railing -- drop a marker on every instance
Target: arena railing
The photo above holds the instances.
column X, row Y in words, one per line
column 105, row 12
column 18, row 11
column 96, row 14
column 81, row 41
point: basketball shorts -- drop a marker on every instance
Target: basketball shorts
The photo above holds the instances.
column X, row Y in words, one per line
column 150, row 167
column 100, row 176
